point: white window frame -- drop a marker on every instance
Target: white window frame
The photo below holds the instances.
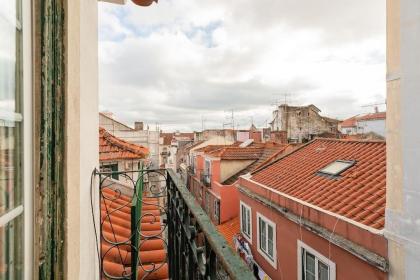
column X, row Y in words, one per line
column 207, row 173
column 216, row 208
column 26, row 117
column 273, row 260
column 302, row 246
column 244, row 234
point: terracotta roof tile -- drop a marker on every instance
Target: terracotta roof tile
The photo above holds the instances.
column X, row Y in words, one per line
column 229, row 229
column 373, row 116
column 351, row 122
column 357, row 193
column 116, row 227
column 113, row 148
column 267, row 155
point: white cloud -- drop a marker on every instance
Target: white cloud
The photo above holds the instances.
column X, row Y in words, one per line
column 182, row 59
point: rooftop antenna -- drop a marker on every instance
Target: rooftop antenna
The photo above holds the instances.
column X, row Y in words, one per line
column 374, row 105
column 231, row 123
column 203, row 123
column 286, row 99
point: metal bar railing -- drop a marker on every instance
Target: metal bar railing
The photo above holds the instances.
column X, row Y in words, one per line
column 196, row 250
column 136, row 208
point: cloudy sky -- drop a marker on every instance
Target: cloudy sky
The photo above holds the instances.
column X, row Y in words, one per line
column 182, row 63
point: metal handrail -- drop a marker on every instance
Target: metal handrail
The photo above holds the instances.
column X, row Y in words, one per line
column 191, row 231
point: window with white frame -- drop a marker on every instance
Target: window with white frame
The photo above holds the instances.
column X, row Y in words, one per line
column 267, row 239
column 216, row 209
column 207, row 171
column 313, row 265
column 14, row 125
column 246, row 223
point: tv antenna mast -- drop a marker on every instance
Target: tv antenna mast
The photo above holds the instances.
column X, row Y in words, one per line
column 374, row 105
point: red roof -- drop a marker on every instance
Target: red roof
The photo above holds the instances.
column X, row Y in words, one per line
column 210, row 148
column 236, row 153
column 116, row 227
column 113, row 148
column 266, row 153
column 373, row 116
column 254, row 151
column 229, row 229
column 167, row 138
column 358, row 193
column 351, row 122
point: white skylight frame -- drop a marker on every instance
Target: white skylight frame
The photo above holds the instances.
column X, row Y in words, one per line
column 336, row 167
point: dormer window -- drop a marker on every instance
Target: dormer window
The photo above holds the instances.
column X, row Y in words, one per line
column 337, row 167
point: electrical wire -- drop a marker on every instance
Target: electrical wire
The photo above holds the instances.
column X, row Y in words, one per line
column 271, row 217
column 329, row 239
column 93, row 218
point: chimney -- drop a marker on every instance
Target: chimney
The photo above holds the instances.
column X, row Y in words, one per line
column 376, row 109
column 138, row 125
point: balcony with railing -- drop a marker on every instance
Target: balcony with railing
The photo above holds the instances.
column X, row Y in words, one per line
column 153, row 228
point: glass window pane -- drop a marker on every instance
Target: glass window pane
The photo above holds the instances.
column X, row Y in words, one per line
column 323, row 271
column 9, row 57
column 243, row 219
column 10, row 183
column 310, row 263
column 263, row 236
column 270, row 241
column 11, row 259
column 10, row 128
column 248, row 222
column 11, row 235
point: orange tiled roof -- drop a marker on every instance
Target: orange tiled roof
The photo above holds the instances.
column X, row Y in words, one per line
column 113, row 148
column 236, row 153
column 373, row 116
column 229, row 229
column 351, row 122
column 254, row 151
column 358, row 193
column 167, row 138
column 210, row 148
column 267, row 155
column 116, row 227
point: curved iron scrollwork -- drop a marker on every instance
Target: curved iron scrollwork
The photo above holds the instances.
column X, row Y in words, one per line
column 153, row 210
column 133, row 223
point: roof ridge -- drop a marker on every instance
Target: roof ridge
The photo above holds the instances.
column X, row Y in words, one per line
column 350, row 140
column 111, row 118
column 134, row 148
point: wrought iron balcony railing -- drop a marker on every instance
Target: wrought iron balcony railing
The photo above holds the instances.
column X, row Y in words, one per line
column 153, row 228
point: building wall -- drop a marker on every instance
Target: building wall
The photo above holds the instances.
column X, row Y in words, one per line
column 82, row 147
column 111, row 125
column 376, row 126
column 301, row 122
column 147, row 138
column 228, row 168
column 229, row 201
column 228, row 135
column 403, row 149
column 349, row 130
column 348, row 267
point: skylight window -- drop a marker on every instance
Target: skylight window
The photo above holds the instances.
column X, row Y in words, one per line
column 337, row 167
